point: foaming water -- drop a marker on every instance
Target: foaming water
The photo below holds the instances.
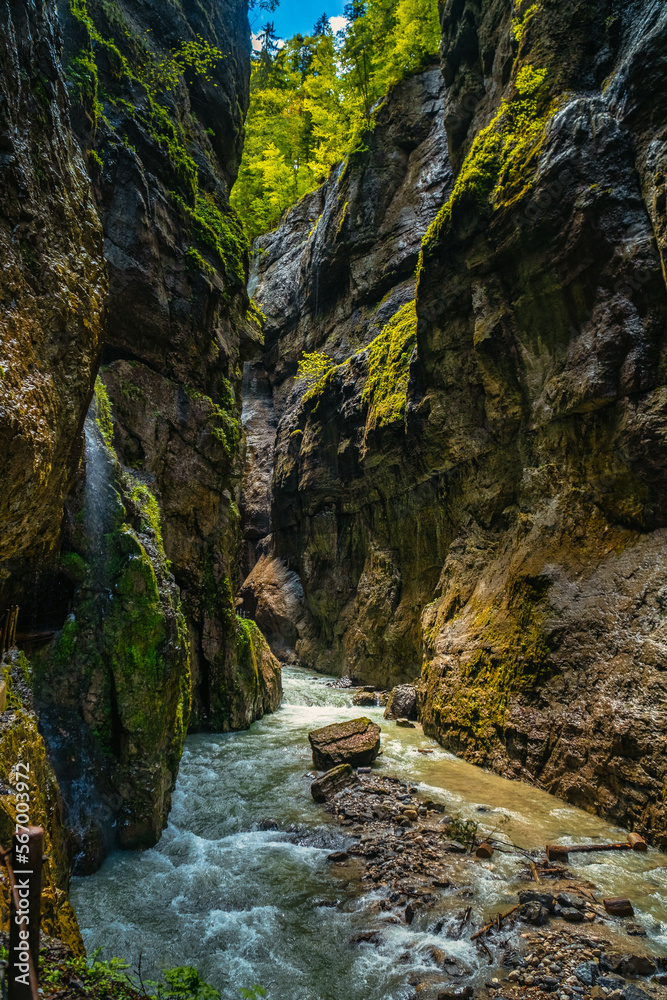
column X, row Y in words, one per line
column 250, row 905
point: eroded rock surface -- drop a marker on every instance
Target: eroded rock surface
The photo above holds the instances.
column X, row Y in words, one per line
column 328, row 280
column 479, row 494
column 52, row 291
column 356, row 742
column 402, row 702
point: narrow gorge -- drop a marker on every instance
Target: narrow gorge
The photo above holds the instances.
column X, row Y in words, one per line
column 383, row 405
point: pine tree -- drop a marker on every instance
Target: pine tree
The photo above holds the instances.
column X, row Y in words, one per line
column 322, row 26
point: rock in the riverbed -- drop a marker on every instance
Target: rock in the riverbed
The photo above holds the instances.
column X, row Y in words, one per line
column 356, row 742
column 405, row 723
column 367, row 699
column 341, row 776
column 402, row 703
column 535, row 913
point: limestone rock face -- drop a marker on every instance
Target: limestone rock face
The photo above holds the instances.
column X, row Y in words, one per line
column 356, row 743
column 483, row 499
column 52, row 290
column 165, row 152
column 114, row 688
column 21, row 742
column 402, row 702
column 329, row 278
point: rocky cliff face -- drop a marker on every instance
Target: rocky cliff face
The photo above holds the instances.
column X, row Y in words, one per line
column 52, row 291
column 479, row 493
column 122, row 128
column 159, row 92
column 330, row 279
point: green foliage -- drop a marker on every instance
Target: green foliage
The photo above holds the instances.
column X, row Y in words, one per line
column 102, row 407
column 463, row 831
column 184, row 983
column 149, row 511
column 254, row 993
column 100, row 978
column 196, row 263
column 312, row 368
column 496, row 168
column 313, row 99
column 386, row 387
column 222, row 233
column 112, row 978
column 519, row 22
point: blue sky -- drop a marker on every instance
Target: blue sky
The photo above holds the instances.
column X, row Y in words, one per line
column 294, row 16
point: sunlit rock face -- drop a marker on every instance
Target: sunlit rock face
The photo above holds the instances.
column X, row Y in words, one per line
column 491, row 514
column 52, row 290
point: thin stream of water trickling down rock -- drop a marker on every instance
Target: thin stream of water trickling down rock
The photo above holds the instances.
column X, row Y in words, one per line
column 249, row 905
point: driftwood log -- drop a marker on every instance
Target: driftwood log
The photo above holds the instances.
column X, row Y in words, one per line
column 484, row 850
column 619, row 907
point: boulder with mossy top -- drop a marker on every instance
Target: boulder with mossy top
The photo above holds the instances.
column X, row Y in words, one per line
column 356, row 742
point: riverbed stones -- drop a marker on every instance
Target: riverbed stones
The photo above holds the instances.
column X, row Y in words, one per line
column 402, row 702
column 356, row 742
column 332, row 781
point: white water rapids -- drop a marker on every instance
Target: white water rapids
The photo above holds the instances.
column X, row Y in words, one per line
column 245, row 905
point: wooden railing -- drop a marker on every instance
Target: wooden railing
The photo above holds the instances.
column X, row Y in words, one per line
column 24, row 874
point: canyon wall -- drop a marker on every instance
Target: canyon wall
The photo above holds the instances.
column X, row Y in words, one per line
column 122, row 131
column 476, row 496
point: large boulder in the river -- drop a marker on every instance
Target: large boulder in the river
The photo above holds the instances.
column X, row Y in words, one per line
column 402, row 703
column 326, row 786
column 356, row 742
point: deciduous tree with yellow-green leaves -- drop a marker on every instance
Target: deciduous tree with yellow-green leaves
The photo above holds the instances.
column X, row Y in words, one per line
column 313, row 98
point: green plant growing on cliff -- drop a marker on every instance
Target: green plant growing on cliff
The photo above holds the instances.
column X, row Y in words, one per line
column 312, row 369
column 102, row 409
column 385, row 391
column 511, row 658
column 496, row 169
column 521, row 19
column 222, row 233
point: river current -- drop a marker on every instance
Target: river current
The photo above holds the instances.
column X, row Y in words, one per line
column 249, row 906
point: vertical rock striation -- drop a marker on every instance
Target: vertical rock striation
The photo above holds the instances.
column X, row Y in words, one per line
column 159, row 93
column 479, row 493
column 121, row 129
column 52, row 290
column 333, row 278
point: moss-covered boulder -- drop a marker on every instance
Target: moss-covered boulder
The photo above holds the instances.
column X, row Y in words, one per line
column 356, row 742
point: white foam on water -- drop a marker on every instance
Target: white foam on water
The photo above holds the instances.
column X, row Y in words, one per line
column 242, row 903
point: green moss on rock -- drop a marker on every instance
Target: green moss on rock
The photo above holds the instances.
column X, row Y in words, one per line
column 385, row 391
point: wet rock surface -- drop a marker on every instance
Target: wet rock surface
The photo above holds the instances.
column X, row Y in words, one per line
column 328, row 280
column 402, row 702
column 502, row 530
column 408, row 863
column 53, row 290
column 356, row 742
column 332, row 781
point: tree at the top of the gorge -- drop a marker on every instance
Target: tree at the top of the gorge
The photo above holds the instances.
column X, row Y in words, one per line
column 313, row 97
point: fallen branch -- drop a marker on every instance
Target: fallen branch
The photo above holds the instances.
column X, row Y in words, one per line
column 466, row 918
column 534, row 871
column 498, row 921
